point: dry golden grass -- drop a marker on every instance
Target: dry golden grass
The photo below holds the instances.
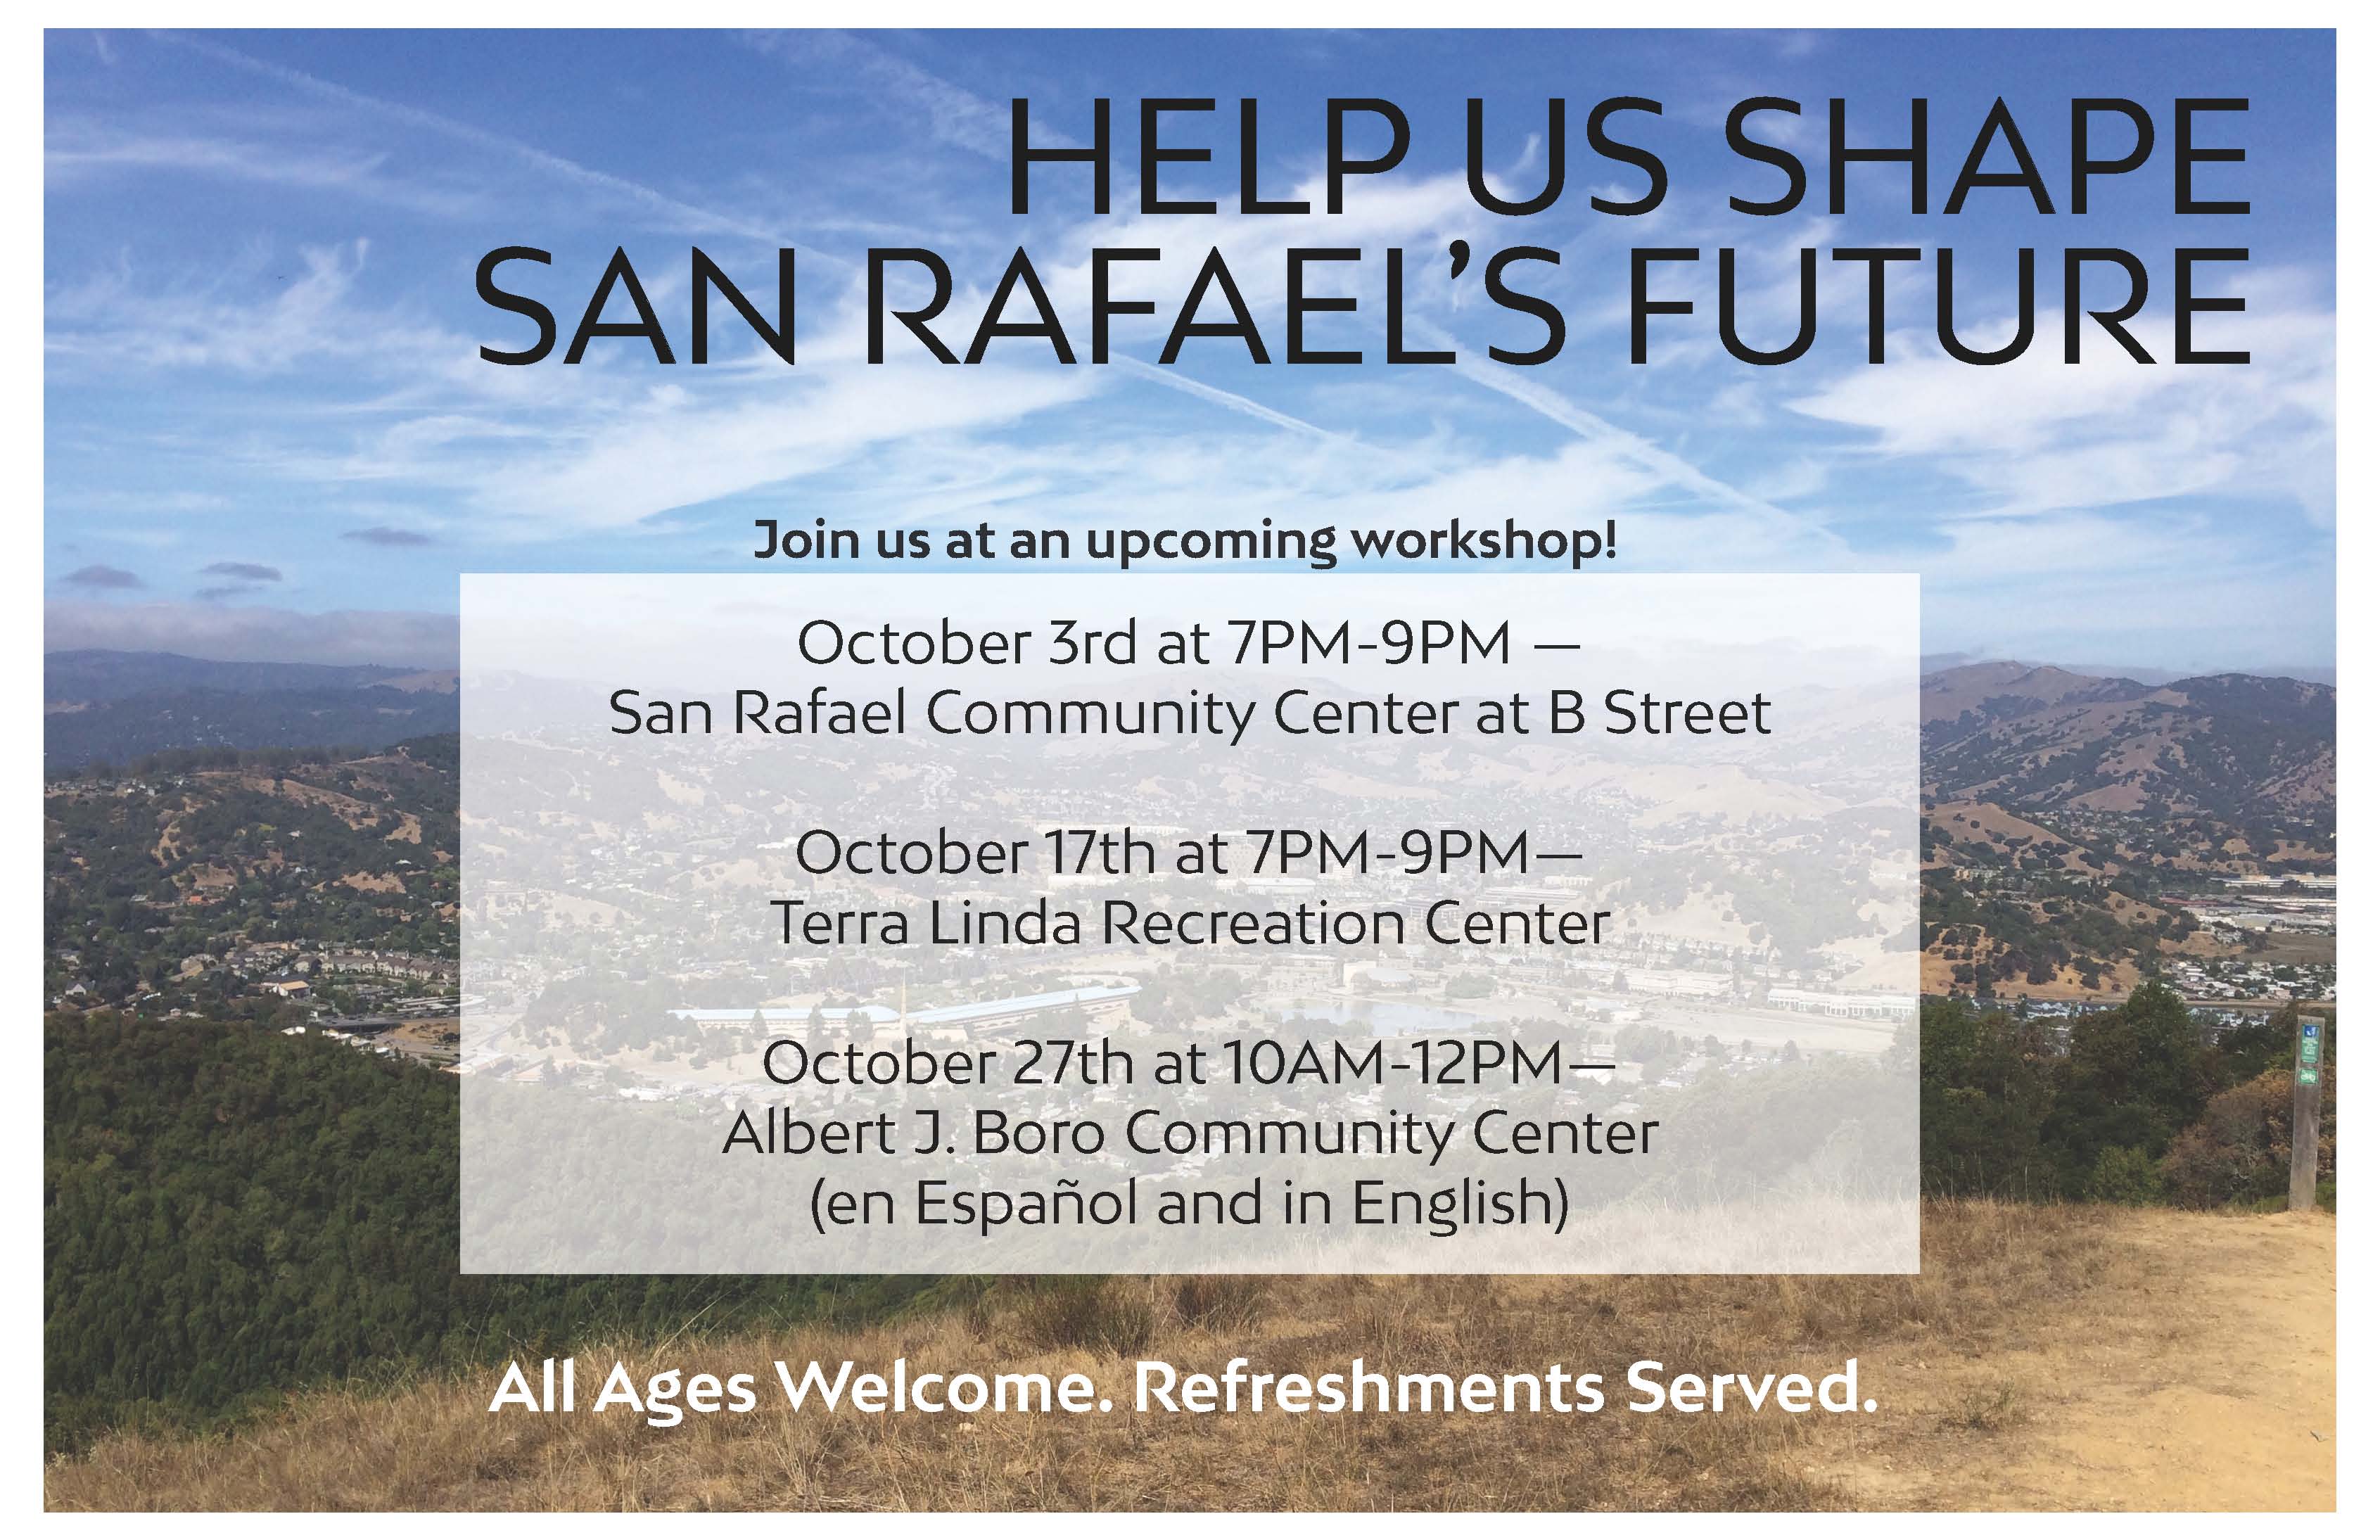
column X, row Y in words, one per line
column 2000, row 1284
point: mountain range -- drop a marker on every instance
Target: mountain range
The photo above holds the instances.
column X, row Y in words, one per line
column 101, row 706
column 2256, row 752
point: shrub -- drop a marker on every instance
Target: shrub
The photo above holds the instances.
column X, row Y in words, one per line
column 1218, row 1301
column 2238, row 1153
column 1102, row 1314
column 2124, row 1173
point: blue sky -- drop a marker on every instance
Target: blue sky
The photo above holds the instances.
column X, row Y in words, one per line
column 268, row 434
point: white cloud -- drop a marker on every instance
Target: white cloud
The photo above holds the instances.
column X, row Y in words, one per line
column 674, row 212
column 672, row 453
column 2039, row 434
column 78, row 155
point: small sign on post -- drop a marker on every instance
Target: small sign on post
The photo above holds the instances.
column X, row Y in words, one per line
column 2306, row 1136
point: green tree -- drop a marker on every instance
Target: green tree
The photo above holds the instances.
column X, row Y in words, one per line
column 1983, row 1093
column 2135, row 1076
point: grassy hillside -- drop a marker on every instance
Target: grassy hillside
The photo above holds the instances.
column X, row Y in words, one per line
column 2253, row 752
column 283, row 1209
column 2043, row 1358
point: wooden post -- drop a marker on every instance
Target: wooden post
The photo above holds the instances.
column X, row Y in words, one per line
column 2305, row 1137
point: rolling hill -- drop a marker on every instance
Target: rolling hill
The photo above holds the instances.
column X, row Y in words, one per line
column 99, row 706
column 2255, row 752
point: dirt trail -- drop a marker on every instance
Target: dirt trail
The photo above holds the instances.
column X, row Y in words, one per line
column 2217, row 1390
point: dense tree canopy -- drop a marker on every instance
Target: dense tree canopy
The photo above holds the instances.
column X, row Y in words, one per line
column 2007, row 1113
column 230, row 1212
